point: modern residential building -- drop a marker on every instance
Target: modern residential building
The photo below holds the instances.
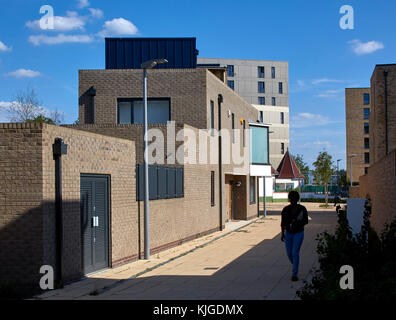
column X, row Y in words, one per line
column 89, row 215
column 378, row 184
column 265, row 85
column 357, row 121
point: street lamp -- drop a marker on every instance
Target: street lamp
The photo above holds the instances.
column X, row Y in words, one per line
column 352, row 156
column 147, row 65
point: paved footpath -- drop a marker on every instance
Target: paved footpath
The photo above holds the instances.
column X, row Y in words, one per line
column 245, row 261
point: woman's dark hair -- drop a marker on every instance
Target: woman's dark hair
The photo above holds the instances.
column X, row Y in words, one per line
column 294, row 196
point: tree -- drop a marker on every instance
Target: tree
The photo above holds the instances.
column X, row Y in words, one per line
column 324, row 169
column 303, row 166
column 26, row 107
column 343, row 178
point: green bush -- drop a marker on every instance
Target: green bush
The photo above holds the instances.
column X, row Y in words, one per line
column 373, row 259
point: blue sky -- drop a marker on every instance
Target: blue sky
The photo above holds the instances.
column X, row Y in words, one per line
column 323, row 58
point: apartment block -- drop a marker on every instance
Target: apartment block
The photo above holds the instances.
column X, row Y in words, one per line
column 265, row 85
column 358, row 126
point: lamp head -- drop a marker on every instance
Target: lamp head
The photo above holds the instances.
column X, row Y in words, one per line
column 152, row 63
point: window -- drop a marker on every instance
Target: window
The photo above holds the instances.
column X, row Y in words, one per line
column 280, row 87
column 366, row 143
column 231, row 84
column 366, row 157
column 164, row 182
column 131, row 111
column 273, row 72
column 233, row 127
column 366, row 98
column 259, row 144
column 282, row 117
column 212, row 188
column 366, row 128
column 212, row 118
column 365, row 170
column 260, row 71
column 282, row 148
column 230, row 70
column 366, row 113
column 261, row 116
column 261, row 100
column 261, row 87
column 273, row 101
column 252, row 190
column 244, row 137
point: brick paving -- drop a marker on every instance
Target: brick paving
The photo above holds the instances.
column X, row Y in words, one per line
column 245, row 261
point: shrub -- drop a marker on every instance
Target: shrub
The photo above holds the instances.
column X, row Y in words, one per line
column 373, row 259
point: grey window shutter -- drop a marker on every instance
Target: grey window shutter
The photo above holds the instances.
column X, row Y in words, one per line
column 162, row 185
column 179, row 183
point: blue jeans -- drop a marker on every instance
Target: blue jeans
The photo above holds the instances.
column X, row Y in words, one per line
column 293, row 243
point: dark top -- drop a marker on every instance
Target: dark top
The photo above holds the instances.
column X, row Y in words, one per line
column 294, row 218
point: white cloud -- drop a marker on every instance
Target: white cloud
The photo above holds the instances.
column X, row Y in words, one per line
column 60, row 38
column 4, row 105
column 96, row 13
column 329, row 94
column 305, row 119
column 3, row 47
column 118, row 27
column 23, row 73
column 360, row 47
column 326, row 80
column 72, row 21
column 82, row 4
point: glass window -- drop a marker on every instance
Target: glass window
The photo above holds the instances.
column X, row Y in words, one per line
column 282, row 117
column 233, row 127
column 125, row 112
column 273, row 72
column 280, row 87
column 261, row 116
column 273, row 101
column 261, row 87
column 230, row 70
column 366, row 98
column 260, row 71
column 211, row 117
column 366, row 143
column 252, row 190
column 132, row 111
column 366, row 157
column 259, row 145
column 261, row 100
column 366, row 113
column 366, row 128
column 231, row 84
column 365, row 170
column 282, row 148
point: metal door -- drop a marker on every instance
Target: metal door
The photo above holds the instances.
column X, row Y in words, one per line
column 94, row 222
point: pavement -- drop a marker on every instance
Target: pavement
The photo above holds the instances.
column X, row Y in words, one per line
column 247, row 260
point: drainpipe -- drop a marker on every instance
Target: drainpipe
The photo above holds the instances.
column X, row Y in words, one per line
column 386, row 111
column 219, row 101
column 59, row 148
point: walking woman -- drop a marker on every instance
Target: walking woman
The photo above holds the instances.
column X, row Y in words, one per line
column 294, row 218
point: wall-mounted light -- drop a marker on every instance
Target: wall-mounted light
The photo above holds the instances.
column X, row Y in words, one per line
column 238, row 184
column 229, row 113
column 241, row 120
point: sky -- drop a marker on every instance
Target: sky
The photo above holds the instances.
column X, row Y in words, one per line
column 324, row 59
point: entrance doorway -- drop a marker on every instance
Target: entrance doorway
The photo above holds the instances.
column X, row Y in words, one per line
column 94, row 209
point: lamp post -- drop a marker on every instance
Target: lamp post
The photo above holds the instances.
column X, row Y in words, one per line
column 351, row 156
column 147, row 65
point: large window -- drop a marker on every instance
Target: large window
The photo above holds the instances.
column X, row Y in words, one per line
column 366, row 157
column 366, row 113
column 261, row 87
column 231, row 84
column 366, row 98
column 280, row 84
column 261, row 100
column 252, row 189
column 259, row 144
column 260, row 72
column 366, row 128
column 273, row 101
column 164, row 182
column 131, row 111
column 366, row 143
column 230, row 70
column 273, row 72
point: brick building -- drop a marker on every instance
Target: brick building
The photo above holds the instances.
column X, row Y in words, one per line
column 102, row 172
column 357, row 121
